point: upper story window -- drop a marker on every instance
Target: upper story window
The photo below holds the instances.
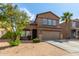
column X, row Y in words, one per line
column 73, row 24
column 44, row 21
column 54, row 22
column 49, row 22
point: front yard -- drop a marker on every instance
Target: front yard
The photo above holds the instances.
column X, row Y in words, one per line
column 31, row 49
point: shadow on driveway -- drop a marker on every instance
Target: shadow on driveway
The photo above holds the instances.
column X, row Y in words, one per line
column 5, row 47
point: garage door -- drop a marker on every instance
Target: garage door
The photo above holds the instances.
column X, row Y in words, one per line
column 48, row 35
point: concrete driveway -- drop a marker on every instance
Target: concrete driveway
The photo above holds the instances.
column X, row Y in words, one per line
column 69, row 46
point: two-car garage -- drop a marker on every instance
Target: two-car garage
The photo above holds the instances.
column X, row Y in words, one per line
column 50, row 35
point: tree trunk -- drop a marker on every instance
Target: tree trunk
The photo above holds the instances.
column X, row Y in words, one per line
column 68, row 29
column 13, row 30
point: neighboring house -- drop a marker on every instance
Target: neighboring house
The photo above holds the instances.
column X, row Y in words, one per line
column 46, row 27
column 75, row 28
column 72, row 31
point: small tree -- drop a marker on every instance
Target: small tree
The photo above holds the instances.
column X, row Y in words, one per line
column 12, row 18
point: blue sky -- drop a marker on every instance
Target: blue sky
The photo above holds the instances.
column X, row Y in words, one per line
column 58, row 8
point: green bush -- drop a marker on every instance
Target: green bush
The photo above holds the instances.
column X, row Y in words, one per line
column 12, row 36
column 36, row 40
column 14, row 43
column 7, row 35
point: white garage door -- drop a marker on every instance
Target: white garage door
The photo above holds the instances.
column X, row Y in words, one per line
column 48, row 35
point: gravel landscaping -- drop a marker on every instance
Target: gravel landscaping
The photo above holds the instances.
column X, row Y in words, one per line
column 31, row 49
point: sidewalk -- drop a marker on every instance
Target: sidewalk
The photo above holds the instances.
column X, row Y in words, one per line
column 70, row 46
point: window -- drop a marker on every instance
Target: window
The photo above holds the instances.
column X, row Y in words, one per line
column 44, row 21
column 23, row 33
column 54, row 22
column 73, row 24
column 49, row 22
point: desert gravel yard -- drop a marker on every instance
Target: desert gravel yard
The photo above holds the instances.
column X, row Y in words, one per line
column 31, row 49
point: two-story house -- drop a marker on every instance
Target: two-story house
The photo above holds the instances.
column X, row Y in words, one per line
column 45, row 27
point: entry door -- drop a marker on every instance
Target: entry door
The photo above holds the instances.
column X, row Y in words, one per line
column 34, row 33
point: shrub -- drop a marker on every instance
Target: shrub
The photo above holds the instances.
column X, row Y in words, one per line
column 14, row 38
column 7, row 35
column 36, row 40
column 14, row 43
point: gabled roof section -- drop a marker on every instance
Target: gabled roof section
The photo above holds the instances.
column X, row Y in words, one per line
column 46, row 13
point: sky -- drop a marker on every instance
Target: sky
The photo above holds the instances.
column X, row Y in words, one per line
column 58, row 8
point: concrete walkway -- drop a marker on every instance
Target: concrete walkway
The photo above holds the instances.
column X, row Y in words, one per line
column 70, row 46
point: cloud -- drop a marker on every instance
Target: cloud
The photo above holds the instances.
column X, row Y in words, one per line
column 32, row 16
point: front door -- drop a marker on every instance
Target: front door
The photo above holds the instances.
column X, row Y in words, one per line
column 34, row 33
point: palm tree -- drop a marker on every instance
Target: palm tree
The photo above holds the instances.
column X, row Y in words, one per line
column 67, row 18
